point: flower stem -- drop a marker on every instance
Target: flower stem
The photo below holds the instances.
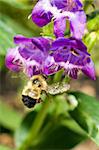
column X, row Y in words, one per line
column 36, row 126
column 58, row 76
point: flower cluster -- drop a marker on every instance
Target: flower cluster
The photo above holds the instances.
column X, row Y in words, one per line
column 59, row 11
column 41, row 55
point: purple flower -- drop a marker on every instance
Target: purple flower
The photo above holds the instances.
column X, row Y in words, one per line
column 31, row 56
column 71, row 54
column 60, row 11
column 44, row 56
column 14, row 61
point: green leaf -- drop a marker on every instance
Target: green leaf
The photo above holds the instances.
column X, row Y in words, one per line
column 8, row 29
column 9, row 118
column 16, row 4
column 2, row 58
column 87, row 4
column 90, row 40
column 86, row 114
column 24, row 128
column 59, row 137
column 93, row 21
column 48, row 30
column 2, row 147
column 57, row 131
column 92, row 24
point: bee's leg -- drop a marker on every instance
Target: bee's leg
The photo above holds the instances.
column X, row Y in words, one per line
column 39, row 100
column 45, row 76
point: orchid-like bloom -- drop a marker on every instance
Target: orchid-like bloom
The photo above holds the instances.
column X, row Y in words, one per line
column 44, row 56
column 71, row 54
column 60, row 11
column 30, row 56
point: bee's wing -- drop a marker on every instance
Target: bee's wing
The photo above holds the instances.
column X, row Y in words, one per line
column 58, row 88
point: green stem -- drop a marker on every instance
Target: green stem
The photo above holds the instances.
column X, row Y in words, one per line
column 36, row 126
column 58, row 76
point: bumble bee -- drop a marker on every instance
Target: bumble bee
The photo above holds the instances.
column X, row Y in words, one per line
column 32, row 91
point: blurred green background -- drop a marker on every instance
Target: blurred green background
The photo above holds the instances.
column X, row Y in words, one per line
column 14, row 20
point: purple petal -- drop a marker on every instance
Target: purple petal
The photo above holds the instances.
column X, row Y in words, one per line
column 60, row 42
column 32, row 68
column 68, row 5
column 89, row 70
column 29, row 56
column 60, row 26
column 40, row 43
column 68, row 42
column 73, row 73
column 79, row 3
column 70, row 69
column 50, row 66
column 75, row 5
column 43, row 44
column 33, row 48
column 68, row 55
column 41, row 14
column 19, row 39
column 77, row 24
column 30, row 52
column 13, row 60
column 59, row 4
column 76, row 43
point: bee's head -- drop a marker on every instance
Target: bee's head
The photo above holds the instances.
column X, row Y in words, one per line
column 39, row 82
column 28, row 101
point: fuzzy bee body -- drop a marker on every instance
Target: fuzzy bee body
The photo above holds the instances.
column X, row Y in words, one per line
column 30, row 102
column 32, row 91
